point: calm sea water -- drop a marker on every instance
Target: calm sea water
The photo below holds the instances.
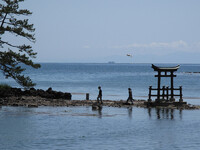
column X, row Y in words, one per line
column 61, row 128
column 115, row 79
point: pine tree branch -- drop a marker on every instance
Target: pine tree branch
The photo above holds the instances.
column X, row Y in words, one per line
column 3, row 21
column 19, row 31
column 2, row 42
column 10, row 61
column 22, row 48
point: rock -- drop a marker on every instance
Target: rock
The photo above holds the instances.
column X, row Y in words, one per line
column 32, row 105
column 5, row 93
column 68, row 96
column 96, row 107
column 44, row 94
column 17, row 92
column 1, row 101
column 49, row 90
column 15, row 105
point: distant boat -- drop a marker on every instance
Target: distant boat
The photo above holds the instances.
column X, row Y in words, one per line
column 111, row 62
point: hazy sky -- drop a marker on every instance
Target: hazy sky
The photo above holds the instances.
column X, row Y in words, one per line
column 153, row 31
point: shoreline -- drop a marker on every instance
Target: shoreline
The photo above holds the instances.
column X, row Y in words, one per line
column 37, row 101
column 38, row 97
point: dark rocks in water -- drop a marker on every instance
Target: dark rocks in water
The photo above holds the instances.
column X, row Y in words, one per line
column 33, row 92
column 96, row 106
column 14, row 105
column 32, row 106
column 57, row 95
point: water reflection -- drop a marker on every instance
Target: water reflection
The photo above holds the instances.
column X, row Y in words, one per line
column 100, row 113
column 130, row 112
column 164, row 113
column 149, row 112
column 180, row 113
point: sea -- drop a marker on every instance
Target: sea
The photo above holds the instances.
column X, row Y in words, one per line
column 60, row 128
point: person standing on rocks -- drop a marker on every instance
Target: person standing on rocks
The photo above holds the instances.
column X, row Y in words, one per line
column 130, row 97
column 99, row 98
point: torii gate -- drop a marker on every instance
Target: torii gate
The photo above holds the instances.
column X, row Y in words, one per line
column 166, row 90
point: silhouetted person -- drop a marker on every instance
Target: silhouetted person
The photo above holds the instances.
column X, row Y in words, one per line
column 99, row 96
column 130, row 96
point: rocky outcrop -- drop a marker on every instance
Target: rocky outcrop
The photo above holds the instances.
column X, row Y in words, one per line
column 35, row 92
column 36, row 101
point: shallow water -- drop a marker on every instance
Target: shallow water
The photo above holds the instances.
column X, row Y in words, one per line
column 112, row 128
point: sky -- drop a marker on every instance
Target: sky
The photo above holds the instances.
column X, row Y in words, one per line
column 99, row 31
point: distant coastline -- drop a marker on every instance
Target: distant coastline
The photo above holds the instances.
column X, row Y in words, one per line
column 111, row 62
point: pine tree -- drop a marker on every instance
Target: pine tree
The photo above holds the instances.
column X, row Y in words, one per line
column 14, row 56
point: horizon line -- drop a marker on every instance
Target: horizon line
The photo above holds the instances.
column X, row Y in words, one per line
column 118, row 62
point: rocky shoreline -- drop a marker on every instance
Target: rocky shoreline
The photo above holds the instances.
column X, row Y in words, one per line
column 36, row 101
column 36, row 98
column 49, row 93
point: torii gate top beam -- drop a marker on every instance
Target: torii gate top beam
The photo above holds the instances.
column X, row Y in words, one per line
column 165, row 69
